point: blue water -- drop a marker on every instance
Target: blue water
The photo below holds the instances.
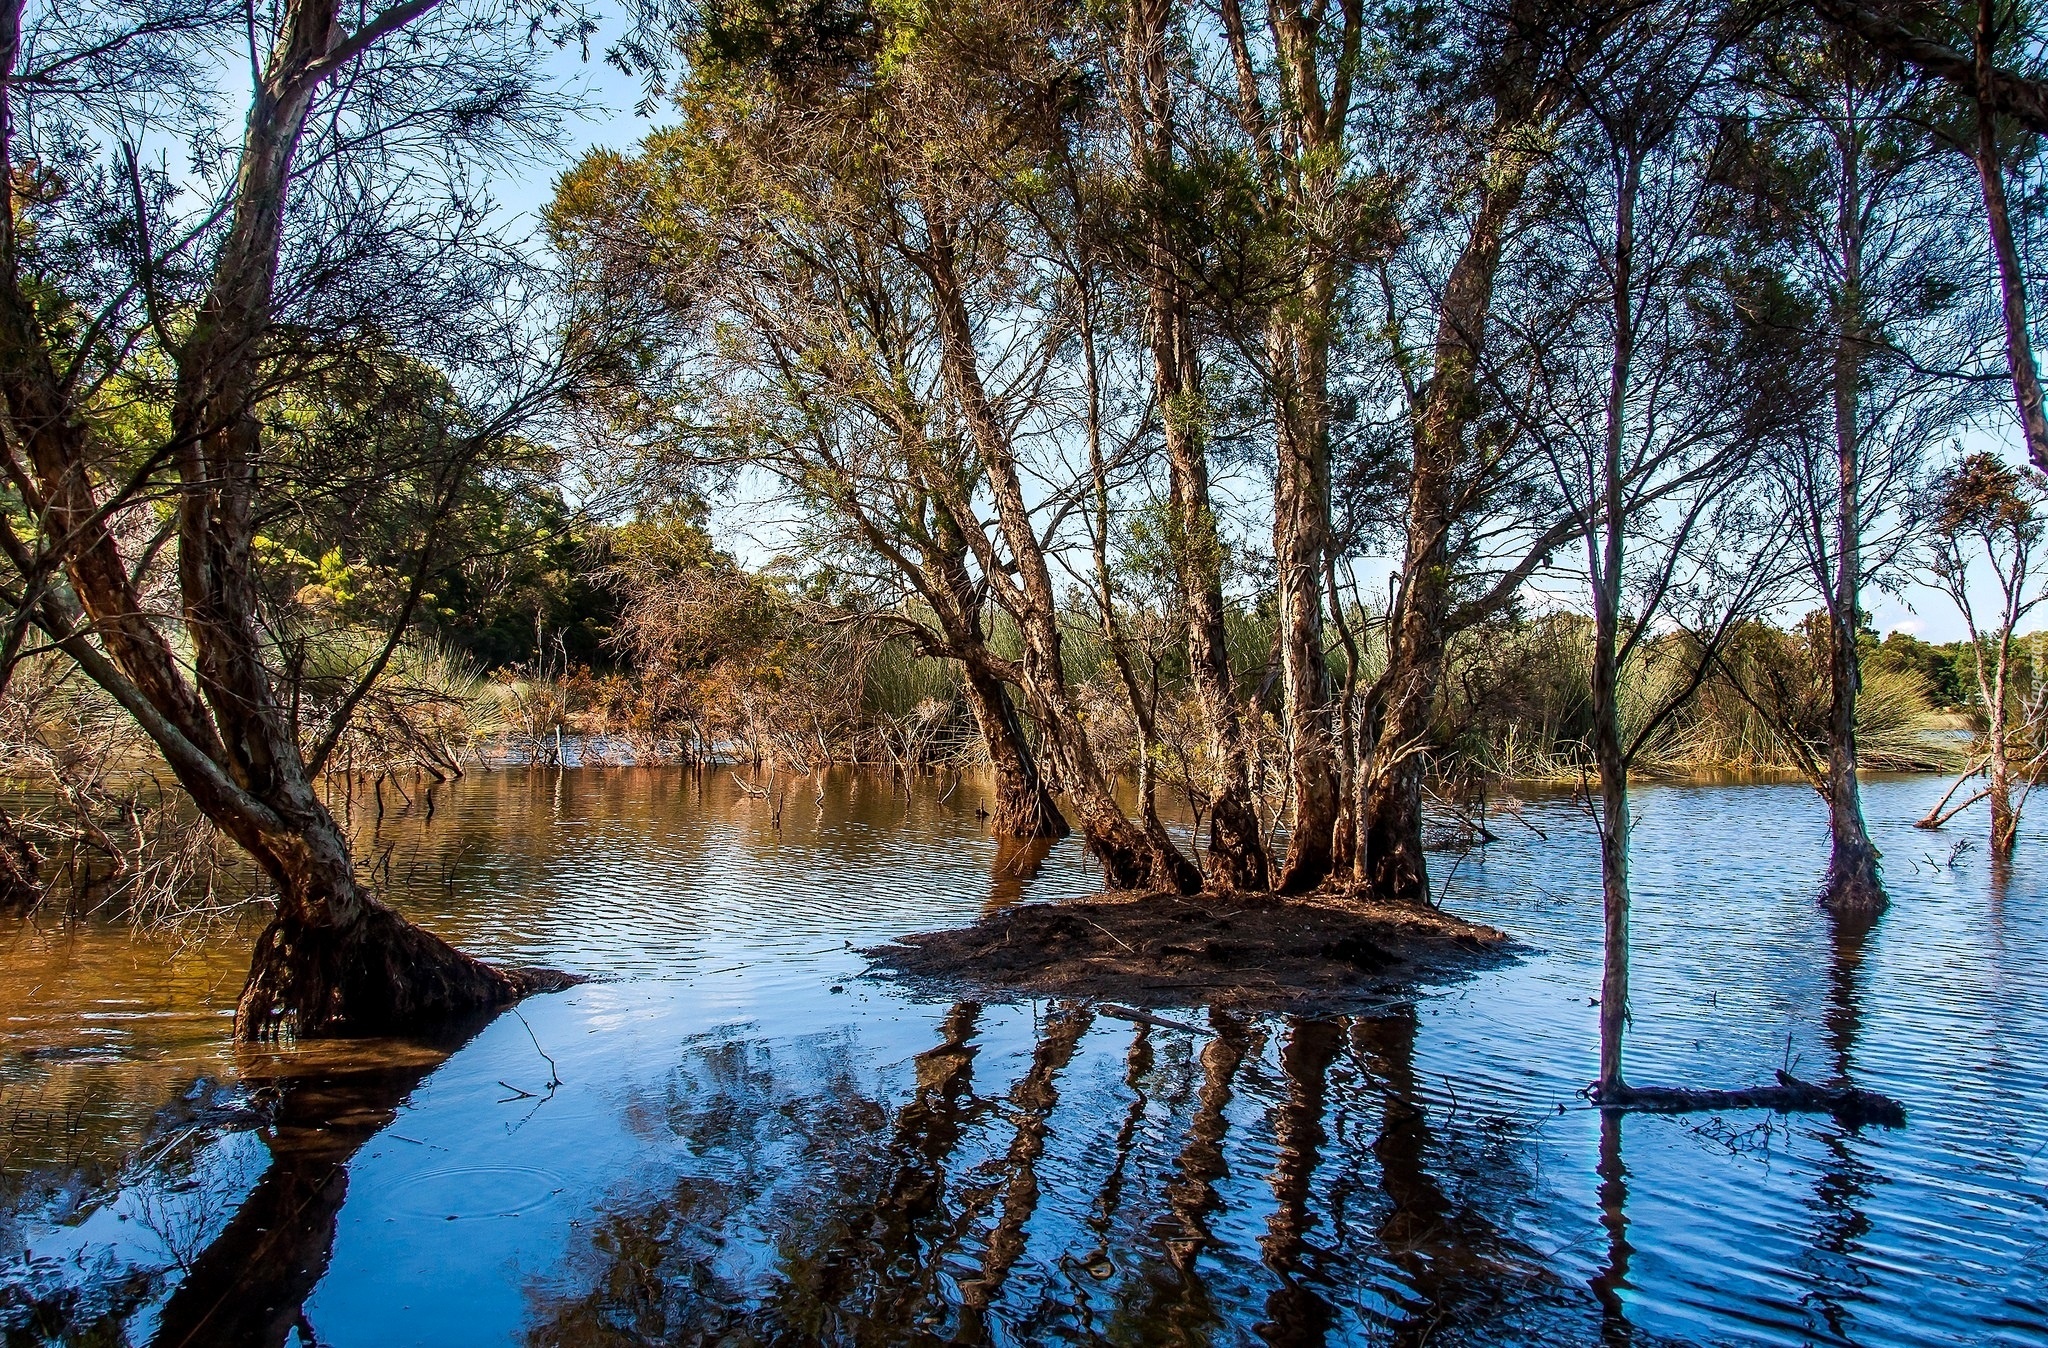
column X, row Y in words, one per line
column 748, row 1139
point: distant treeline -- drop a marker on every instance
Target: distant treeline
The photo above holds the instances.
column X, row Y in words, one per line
column 708, row 660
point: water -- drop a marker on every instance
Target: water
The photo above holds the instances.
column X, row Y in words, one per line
column 732, row 1136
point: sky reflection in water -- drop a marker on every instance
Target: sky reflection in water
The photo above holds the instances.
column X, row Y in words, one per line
column 750, row 1142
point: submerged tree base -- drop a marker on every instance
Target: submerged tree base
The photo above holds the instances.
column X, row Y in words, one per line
column 1852, row 884
column 381, row 976
column 1326, row 953
column 1790, row 1095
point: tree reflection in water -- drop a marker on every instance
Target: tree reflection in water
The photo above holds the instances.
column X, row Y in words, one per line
column 248, row 1287
column 1031, row 1105
column 1613, row 1276
column 1018, row 862
column 1843, row 1187
column 1846, row 1179
column 1295, row 1311
column 1459, row 1271
column 975, row 1211
column 1177, row 1307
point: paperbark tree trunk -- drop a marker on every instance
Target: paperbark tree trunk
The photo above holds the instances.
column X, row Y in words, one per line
column 2027, row 397
column 1297, row 139
column 1131, row 857
column 1301, row 543
column 1237, row 850
column 2012, row 281
column 1614, row 892
column 1237, row 847
column 1606, row 555
column 1396, row 868
column 2005, row 820
column 1024, row 804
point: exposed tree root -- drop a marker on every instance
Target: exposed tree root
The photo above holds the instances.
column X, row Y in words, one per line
column 380, row 976
column 1850, row 1105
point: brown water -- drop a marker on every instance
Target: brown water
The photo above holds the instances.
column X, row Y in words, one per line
column 732, row 1136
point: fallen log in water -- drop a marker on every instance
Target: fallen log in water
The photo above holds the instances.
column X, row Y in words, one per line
column 1848, row 1104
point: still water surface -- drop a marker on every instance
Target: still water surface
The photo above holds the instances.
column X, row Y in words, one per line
column 732, row 1136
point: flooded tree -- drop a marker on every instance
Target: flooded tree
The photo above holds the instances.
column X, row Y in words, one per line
column 819, row 375
column 1297, row 75
column 1664, row 379
column 1988, row 518
column 918, row 284
column 1149, row 62
column 1975, row 49
column 147, row 326
column 1864, row 201
column 1464, row 463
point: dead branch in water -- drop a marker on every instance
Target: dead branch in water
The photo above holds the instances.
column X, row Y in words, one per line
column 1850, row 1105
column 1941, row 814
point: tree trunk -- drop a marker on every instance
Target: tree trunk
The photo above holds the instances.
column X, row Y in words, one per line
column 1297, row 141
column 374, row 974
column 1614, row 825
column 1024, row 804
column 1237, row 848
column 1852, row 879
column 2012, row 281
column 2005, row 823
column 1395, row 866
column 334, row 960
column 1605, row 562
column 1131, row 857
column 1301, row 543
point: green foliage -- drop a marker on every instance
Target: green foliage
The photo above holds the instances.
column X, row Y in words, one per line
column 377, row 467
column 1519, row 704
column 1939, row 669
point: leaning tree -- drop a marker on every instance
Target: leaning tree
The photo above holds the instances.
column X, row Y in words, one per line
column 164, row 284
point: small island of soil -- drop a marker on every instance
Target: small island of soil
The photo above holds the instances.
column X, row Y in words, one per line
column 1320, row 954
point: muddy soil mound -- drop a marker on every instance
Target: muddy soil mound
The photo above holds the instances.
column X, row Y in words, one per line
column 1322, row 954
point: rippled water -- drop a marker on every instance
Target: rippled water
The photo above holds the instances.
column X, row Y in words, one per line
column 732, row 1136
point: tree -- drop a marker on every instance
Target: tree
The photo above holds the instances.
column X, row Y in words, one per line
column 146, row 324
column 1989, row 512
column 1991, row 158
column 900, row 326
column 1147, row 64
column 1925, row 38
column 1837, row 159
column 1653, row 397
column 1466, row 465
column 1296, row 75
column 796, row 347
